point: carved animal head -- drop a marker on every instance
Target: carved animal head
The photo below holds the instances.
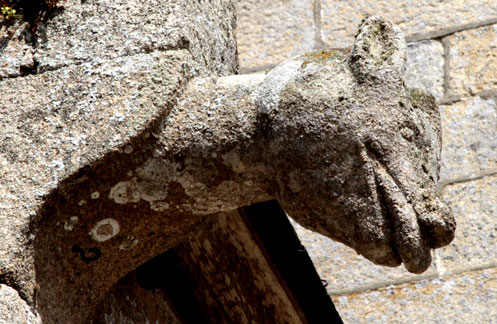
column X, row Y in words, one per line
column 353, row 154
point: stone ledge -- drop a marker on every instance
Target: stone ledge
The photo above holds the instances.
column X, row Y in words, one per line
column 85, row 31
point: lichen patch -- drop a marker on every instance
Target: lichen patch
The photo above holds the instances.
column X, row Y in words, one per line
column 124, row 192
column 105, row 230
column 128, row 243
column 70, row 223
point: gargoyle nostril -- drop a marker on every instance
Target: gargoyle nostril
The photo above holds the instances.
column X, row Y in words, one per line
column 376, row 146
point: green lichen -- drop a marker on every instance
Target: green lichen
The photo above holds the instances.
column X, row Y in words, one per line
column 421, row 99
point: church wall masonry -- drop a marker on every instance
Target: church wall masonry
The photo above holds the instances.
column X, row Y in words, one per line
column 451, row 53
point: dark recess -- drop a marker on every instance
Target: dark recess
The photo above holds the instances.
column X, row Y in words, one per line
column 277, row 235
column 164, row 272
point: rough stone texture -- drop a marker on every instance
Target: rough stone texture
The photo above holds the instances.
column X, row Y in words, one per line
column 425, row 67
column 83, row 31
column 271, row 31
column 14, row 310
column 413, row 17
column 111, row 162
column 367, row 120
column 472, row 61
column 55, row 123
column 117, row 75
column 458, row 299
column 469, row 139
column 474, row 204
column 15, row 49
column 344, row 270
column 127, row 302
column 469, row 130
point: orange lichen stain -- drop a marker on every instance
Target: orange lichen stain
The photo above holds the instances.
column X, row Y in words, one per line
column 321, row 57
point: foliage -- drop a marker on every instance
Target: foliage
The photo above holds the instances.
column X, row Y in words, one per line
column 9, row 12
column 25, row 9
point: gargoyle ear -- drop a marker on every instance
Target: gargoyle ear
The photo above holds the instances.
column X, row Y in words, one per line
column 379, row 50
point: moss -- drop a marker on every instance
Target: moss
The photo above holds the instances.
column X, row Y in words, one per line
column 421, row 99
column 321, row 57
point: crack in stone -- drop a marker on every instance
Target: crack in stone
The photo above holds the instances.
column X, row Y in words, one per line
column 486, row 173
column 76, row 64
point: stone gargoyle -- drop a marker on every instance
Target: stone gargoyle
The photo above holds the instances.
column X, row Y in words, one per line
column 338, row 140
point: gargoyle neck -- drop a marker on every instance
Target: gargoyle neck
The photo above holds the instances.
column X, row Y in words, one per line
column 212, row 131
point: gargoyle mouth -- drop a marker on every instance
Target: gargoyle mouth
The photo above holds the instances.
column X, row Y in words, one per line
column 408, row 236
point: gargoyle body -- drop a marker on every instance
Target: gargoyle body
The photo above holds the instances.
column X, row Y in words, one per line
column 339, row 141
column 344, row 146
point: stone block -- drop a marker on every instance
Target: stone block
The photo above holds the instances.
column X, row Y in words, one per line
column 53, row 124
column 469, row 133
column 473, row 63
column 474, row 205
column 425, row 67
column 101, row 30
column 268, row 32
column 460, row 299
column 340, row 18
column 345, row 270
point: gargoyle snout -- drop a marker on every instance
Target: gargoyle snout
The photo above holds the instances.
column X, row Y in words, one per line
column 437, row 221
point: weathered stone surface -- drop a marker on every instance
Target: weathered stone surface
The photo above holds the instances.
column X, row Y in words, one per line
column 111, row 88
column 13, row 309
column 474, row 205
column 15, row 50
column 344, row 270
column 110, row 163
column 413, row 17
column 269, row 32
column 425, row 67
column 55, row 123
column 459, row 299
column 99, row 30
column 469, row 130
column 472, row 61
